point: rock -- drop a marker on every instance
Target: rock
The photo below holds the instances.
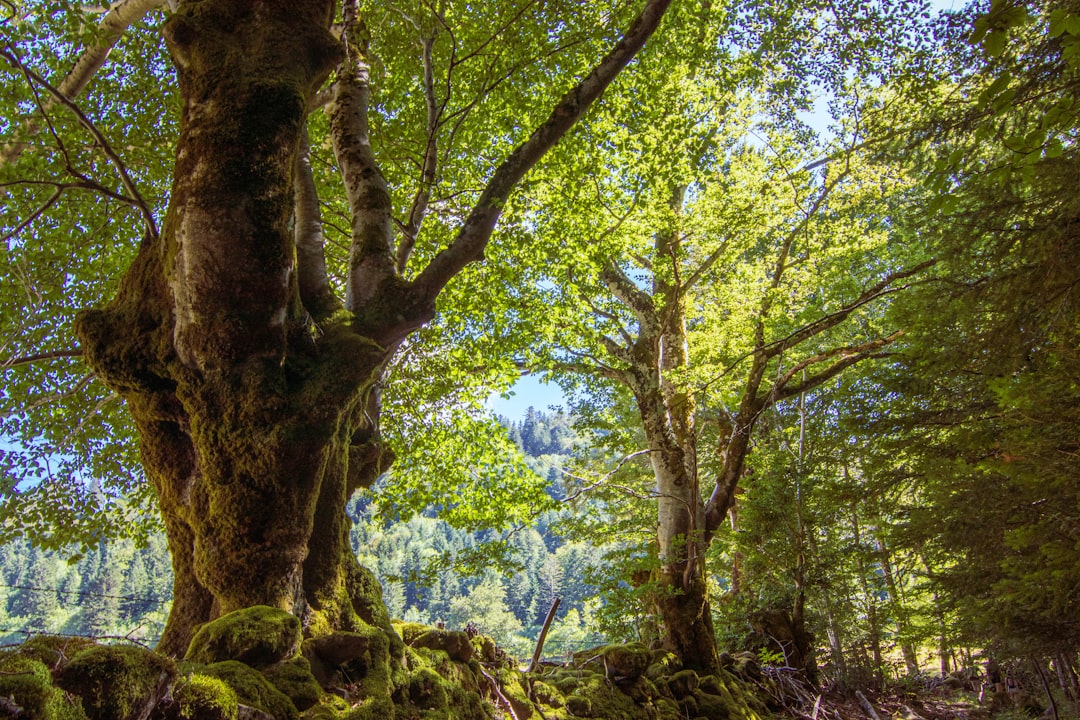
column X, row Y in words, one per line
column 339, row 648
column 55, row 651
column 253, row 689
column 427, row 690
column 118, row 683
column 258, row 636
column 199, row 697
column 630, row 661
column 27, row 691
column 455, row 644
column 683, row 683
column 293, row 679
column 578, row 705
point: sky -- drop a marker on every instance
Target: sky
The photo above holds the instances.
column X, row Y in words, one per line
column 530, row 390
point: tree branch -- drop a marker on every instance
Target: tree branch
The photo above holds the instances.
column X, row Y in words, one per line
column 848, row 356
column 835, row 318
column 430, row 163
column 26, row 359
column 109, row 31
column 314, row 283
column 473, row 237
column 125, row 178
column 371, row 257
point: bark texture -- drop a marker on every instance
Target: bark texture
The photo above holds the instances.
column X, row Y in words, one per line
column 253, row 425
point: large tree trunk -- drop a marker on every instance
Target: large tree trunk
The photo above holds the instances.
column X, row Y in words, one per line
column 253, row 391
column 252, row 421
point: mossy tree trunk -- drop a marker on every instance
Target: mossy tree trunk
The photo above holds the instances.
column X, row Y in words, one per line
column 252, row 387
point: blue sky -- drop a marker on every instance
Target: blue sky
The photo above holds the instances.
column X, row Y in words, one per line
column 530, row 390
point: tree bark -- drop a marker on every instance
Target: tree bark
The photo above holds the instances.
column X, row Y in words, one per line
column 253, row 429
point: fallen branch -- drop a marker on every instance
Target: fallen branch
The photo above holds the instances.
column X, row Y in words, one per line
column 543, row 636
column 866, row 706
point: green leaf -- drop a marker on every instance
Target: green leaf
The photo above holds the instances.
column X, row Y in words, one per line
column 994, row 45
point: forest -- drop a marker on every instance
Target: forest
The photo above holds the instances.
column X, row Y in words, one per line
column 803, row 278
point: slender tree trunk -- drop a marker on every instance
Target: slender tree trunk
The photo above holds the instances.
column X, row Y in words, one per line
column 911, row 662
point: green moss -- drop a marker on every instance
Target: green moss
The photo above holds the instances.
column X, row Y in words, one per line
column 374, row 708
column 54, row 650
column 257, row 636
column 115, row 682
column 547, row 695
column 454, row 643
column 27, row 682
column 629, row 660
column 683, row 683
column 578, row 705
column 201, row 697
column 294, row 679
column 427, row 690
column 663, row 664
column 253, row 689
column 410, row 631
column 329, row 707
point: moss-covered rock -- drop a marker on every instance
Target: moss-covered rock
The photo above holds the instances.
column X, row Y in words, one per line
column 253, row 689
column 662, row 664
column 579, row 705
column 329, row 707
column 118, row 683
column 200, row 697
column 26, row 684
column 410, row 631
column 454, row 643
column 427, row 690
column 258, row 636
column 548, row 695
column 631, row 660
column 55, row 651
column 294, row 679
column 683, row 683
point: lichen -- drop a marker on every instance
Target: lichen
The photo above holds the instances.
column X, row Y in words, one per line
column 258, row 636
column 117, row 682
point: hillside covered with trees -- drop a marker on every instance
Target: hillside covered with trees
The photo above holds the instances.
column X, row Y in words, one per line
column 807, row 275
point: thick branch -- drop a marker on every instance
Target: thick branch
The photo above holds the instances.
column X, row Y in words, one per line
column 474, row 235
column 430, row 165
column 371, row 255
column 848, row 356
column 624, row 289
column 314, row 283
column 109, row 31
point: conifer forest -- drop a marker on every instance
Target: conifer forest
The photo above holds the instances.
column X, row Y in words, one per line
column 792, row 288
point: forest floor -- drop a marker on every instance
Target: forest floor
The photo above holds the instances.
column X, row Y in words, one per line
column 908, row 702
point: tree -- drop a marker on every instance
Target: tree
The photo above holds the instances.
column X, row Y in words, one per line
column 726, row 276
column 981, row 400
column 255, row 391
